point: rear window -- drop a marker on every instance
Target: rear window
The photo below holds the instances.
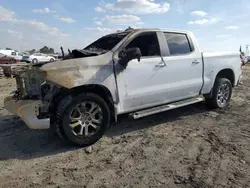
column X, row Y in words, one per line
column 178, row 44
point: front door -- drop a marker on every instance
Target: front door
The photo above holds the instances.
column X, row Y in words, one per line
column 140, row 83
column 43, row 57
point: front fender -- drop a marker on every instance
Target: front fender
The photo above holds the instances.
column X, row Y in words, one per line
column 82, row 71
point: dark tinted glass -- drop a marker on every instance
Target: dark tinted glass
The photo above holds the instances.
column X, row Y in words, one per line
column 177, row 43
column 147, row 43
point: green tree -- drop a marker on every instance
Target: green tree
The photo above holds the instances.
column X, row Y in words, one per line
column 31, row 51
column 44, row 50
column 51, row 51
column 8, row 48
column 47, row 50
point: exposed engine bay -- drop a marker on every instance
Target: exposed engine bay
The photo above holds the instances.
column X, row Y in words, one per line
column 30, row 80
column 31, row 84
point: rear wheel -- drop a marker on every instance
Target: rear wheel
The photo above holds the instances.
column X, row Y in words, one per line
column 82, row 119
column 222, row 93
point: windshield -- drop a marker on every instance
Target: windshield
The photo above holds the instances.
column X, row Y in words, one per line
column 106, row 43
column 2, row 55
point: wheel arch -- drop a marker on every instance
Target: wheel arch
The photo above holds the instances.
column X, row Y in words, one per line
column 103, row 92
column 224, row 73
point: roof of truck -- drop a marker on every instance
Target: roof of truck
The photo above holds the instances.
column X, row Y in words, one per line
column 151, row 29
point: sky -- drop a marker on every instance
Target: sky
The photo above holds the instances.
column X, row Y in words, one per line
column 221, row 25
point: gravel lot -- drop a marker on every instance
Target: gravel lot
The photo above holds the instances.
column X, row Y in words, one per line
column 186, row 147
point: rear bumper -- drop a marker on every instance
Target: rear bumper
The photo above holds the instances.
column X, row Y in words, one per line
column 27, row 110
column 239, row 80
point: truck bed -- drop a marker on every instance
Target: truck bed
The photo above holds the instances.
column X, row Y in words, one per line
column 214, row 62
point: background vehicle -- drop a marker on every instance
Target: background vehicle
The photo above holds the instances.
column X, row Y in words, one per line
column 140, row 72
column 12, row 53
column 38, row 57
column 4, row 59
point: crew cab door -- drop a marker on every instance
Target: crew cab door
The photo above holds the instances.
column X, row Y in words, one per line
column 140, row 83
column 183, row 74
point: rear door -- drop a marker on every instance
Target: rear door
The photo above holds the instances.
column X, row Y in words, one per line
column 183, row 74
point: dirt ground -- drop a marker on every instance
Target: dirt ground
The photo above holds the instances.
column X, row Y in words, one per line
column 187, row 147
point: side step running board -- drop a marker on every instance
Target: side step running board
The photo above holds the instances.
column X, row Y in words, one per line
column 166, row 107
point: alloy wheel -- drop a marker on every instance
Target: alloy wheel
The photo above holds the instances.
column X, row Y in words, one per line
column 223, row 95
column 86, row 119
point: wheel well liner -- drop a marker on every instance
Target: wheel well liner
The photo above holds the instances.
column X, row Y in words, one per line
column 227, row 73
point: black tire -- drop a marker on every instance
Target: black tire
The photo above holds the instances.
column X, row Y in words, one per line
column 62, row 119
column 34, row 60
column 51, row 60
column 213, row 102
column 12, row 61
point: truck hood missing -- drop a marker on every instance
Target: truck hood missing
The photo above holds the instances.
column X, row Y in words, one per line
column 71, row 73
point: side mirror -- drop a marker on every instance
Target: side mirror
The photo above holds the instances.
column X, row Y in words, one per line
column 127, row 55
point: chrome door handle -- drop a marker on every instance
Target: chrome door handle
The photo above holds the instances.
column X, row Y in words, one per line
column 195, row 62
column 161, row 64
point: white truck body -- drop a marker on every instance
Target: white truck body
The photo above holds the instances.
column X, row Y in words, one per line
column 153, row 80
column 171, row 68
column 12, row 53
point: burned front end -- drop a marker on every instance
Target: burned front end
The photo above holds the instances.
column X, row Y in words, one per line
column 29, row 81
column 32, row 98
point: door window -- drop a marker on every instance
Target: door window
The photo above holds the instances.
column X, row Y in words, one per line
column 178, row 44
column 13, row 53
column 148, row 44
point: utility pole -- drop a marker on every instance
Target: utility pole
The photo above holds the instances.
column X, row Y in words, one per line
column 247, row 51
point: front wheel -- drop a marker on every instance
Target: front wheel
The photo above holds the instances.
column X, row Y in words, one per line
column 82, row 119
column 35, row 61
column 12, row 61
column 222, row 93
column 51, row 60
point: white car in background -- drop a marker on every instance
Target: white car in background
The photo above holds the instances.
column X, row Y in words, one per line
column 38, row 57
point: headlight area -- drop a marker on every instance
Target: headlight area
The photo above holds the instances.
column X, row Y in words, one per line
column 48, row 92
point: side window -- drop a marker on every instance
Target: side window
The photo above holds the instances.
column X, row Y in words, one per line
column 148, row 44
column 13, row 53
column 178, row 44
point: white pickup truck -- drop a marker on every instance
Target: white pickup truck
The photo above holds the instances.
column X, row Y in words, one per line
column 12, row 53
column 139, row 72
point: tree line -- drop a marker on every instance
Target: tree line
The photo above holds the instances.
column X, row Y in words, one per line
column 45, row 50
